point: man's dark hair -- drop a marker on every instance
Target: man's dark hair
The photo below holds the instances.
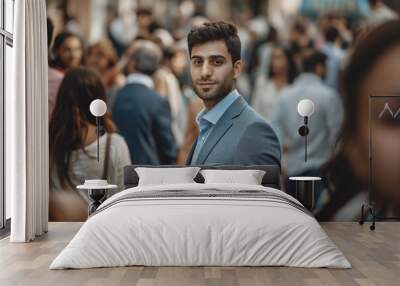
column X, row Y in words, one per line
column 312, row 60
column 331, row 34
column 214, row 31
column 50, row 30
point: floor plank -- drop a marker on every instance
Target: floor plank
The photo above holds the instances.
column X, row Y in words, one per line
column 374, row 255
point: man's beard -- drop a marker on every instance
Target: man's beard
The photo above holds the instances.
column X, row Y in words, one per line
column 217, row 94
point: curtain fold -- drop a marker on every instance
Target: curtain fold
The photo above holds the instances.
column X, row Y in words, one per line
column 27, row 124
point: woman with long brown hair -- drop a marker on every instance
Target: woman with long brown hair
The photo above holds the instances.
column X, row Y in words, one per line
column 73, row 146
column 282, row 72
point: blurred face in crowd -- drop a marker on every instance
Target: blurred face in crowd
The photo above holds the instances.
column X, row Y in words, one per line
column 179, row 62
column 97, row 60
column 144, row 21
column 382, row 80
column 70, row 52
column 279, row 63
column 298, row 40
column 213, row 73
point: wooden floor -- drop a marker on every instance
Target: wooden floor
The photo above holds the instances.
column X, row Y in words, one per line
column 374, row 255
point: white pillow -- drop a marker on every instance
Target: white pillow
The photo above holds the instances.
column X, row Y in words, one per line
column 163, row 176
column 248, row 177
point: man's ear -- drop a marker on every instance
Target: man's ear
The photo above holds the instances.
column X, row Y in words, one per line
column 237, row 68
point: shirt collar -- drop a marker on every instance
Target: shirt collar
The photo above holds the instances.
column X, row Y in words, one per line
column 139, row 78
column 215, row 113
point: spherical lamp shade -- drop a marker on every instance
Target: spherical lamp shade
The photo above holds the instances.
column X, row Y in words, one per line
column 305, row 107
column 98, row 107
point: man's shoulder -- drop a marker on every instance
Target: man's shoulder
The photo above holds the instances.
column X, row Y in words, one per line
column 251, row 119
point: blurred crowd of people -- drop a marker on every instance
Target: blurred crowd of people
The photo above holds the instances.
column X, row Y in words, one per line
column 143, row 74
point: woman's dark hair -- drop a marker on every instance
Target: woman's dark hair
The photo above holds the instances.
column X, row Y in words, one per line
column 59, row 40
column 292, row 67
column 71, row 117
column 344, row 184
column 214, row 31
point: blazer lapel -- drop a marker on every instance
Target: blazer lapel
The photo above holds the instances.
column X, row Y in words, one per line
column 222, row 126
column 218, row 132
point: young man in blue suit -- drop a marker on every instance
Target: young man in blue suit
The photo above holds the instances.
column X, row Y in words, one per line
column 231, row 132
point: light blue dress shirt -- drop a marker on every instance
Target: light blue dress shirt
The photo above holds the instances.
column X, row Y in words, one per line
column 206, row 120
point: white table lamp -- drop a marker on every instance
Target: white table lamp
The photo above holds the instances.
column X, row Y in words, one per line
column 305, row 108
column 98, row 108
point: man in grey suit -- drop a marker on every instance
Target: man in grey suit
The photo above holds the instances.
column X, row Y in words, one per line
column 231, row 132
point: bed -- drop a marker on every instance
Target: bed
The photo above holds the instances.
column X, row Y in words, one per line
column 201, row 224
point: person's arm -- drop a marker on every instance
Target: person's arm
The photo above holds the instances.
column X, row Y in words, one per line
column 166, row 146
column 259, row 145
column 160, row 83
column 191, row 131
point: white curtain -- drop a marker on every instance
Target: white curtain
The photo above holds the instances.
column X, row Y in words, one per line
column 27, row 173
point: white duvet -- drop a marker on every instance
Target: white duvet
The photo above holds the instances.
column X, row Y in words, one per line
column 183, row 231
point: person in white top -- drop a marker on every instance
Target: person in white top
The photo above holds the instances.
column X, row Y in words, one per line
column 281, row 72
column 167, row 85
column 73, row 147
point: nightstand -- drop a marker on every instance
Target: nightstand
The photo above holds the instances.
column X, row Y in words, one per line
column 305, row 190
column 97, row 190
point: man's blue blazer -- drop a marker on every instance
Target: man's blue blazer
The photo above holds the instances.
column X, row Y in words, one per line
column 143, row 118
column 240, row 137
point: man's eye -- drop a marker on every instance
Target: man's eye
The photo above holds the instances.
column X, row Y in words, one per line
column 218, row 62
column 197, row 62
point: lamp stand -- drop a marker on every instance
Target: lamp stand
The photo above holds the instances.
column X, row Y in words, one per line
column 98, row 135
column 305, row 137
column 303, row 131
